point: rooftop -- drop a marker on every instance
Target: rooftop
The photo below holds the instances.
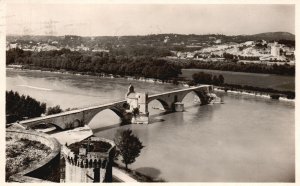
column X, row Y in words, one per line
column 91, row 144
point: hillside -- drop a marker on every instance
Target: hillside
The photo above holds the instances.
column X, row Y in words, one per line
column 269, row 36
column 171, row 41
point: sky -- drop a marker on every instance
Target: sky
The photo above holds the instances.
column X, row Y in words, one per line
column 144, row 19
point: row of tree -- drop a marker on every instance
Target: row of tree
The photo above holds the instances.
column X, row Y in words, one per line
column 285, row 69
column 141, row 50
column 123, row 65
column 96, row 63
column 239, row 57
column 204, row 78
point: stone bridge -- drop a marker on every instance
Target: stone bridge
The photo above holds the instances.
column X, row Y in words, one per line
column 168, row 99
column 80, row 117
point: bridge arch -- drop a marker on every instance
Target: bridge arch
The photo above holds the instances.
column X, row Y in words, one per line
column 119, row 112
column 164, row 103
column 59, row 126
column 68, row 125
column 76, row 123
column 200, row 94
column 51, row 123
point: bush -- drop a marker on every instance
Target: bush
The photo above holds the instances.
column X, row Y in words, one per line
column 290, row 96
column 54, row 110
column 275, row 96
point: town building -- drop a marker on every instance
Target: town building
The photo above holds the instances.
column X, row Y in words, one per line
column 275, row 50
column 218, row 41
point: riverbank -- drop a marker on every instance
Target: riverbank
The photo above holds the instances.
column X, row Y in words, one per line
column 102, row 75
column 272, row 81
column 139, row 177
column 248, row 93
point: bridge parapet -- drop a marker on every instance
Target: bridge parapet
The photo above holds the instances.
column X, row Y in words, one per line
column 75, row 118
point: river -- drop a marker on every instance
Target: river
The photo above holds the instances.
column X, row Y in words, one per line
column 247, row 139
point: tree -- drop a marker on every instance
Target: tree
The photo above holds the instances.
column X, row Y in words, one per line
column 202, row 78
column 135, row 111
column 221, row 79
column 128, row 145
column 215, row 80
column 54, row 110
column 21, row 107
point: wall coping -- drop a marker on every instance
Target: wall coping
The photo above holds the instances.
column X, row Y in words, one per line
column 22, row 176
column 67, row 152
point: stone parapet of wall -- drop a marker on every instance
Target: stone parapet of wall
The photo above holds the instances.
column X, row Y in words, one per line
column 46, row 170
column 90, row 167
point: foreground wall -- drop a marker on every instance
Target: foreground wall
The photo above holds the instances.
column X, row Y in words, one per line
column 45, row 170
column 91, row 167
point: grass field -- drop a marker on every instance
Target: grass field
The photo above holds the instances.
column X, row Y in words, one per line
column 276, row 82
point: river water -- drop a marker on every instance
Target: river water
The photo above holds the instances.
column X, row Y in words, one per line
column 247, row 139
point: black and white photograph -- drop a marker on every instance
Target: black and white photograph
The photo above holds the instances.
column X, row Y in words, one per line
column 141, row 91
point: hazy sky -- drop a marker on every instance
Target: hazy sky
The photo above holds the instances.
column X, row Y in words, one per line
column 130, row 19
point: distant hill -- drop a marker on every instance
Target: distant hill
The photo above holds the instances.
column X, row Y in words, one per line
column 173, row 40
column 269, row 36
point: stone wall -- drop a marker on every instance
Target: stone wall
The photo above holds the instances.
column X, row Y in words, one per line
column 46, row 170
column 92, row 167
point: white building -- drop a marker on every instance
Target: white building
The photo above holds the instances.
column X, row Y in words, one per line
column 275, row 50
column 248, row 43
column 218, row 41
column 137, row 101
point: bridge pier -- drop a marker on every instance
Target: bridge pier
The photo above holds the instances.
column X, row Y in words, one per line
column 141, row 118
column 178, row 107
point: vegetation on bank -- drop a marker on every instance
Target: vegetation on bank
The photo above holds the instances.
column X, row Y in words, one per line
column 232, row 65
column 20, row 107
column 274, row 94
column 205, row 78
column 134, row 61
column 99, row 62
